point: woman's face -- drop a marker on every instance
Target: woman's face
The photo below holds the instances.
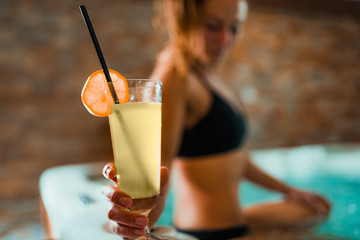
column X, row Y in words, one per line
column 218, row 28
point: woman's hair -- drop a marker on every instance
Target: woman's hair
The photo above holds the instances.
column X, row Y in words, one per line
column 180, row 19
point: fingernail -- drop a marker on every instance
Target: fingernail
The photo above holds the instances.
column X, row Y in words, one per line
column 124, row 201
column 141, row 221
column 107, row 171
column 139, row 232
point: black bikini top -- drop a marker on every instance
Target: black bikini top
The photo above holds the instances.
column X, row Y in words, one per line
column 221, row 130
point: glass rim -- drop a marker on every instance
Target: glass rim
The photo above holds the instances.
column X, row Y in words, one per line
column 145, row 80
column 142, row 79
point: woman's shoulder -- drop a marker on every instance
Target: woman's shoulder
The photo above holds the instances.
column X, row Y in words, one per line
column 166, row 71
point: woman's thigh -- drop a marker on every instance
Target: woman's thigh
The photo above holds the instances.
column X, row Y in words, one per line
column 284, row 214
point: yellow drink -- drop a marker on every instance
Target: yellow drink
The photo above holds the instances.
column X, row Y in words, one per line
column 136, row 138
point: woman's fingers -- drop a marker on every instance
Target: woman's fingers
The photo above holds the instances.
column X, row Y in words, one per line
column 316, row 204
column 122, row 221
column 127, row 218
column 319, row 204
column 124, row 231
column 126, row 223
column 116, row 196
column 109, row 172
column 323, row 205
column 326, row 203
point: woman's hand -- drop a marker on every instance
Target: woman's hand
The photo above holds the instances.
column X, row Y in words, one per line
column 121, row 221
column 316, row 202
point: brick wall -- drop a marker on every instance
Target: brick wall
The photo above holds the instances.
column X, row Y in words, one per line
column 299, row 75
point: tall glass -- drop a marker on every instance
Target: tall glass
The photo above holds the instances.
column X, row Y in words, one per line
column 136, row 139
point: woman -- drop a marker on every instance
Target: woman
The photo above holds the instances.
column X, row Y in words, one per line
column 204, row 129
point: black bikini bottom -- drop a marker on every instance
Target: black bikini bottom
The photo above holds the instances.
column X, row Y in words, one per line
column 222, row 234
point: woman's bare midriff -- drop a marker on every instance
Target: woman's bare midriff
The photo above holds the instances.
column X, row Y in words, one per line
column 206, row 192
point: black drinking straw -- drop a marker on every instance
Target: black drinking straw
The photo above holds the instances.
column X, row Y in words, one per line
column 99, row 52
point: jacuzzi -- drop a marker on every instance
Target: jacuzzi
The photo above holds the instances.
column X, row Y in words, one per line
column 77, row 210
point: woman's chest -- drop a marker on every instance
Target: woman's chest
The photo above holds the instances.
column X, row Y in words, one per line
column 200, row 98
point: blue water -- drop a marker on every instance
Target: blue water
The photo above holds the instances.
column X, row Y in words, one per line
column 342, row 190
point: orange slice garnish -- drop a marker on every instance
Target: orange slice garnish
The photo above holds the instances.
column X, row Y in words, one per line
column 96, row 95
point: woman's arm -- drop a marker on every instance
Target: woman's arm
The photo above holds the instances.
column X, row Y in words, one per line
column 255, row 175
column 173, row 113
column 173, row 118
